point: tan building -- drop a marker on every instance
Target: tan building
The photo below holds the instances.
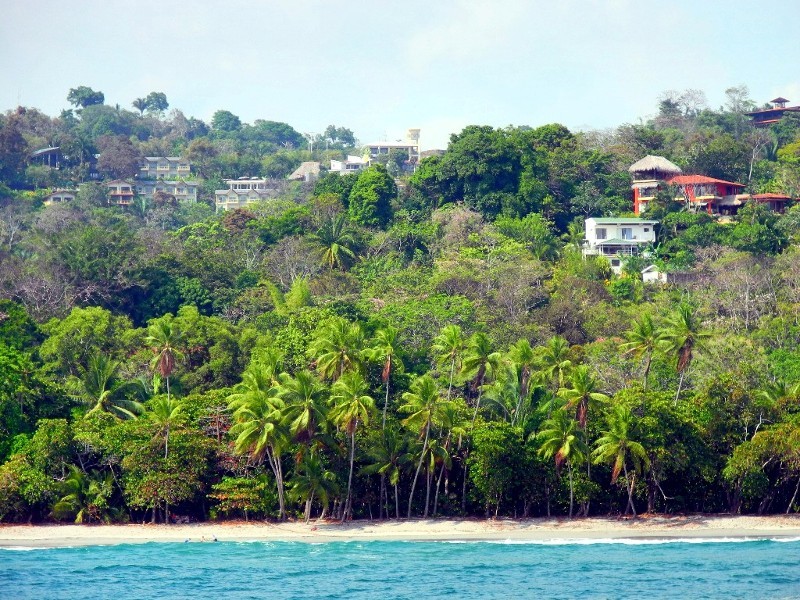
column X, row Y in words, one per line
column 121, row 192
column 58, row 196
column 244, row 191
column 164, row 167
column 183, row 191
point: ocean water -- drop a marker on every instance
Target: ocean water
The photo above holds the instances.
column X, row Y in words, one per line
column 418, row 570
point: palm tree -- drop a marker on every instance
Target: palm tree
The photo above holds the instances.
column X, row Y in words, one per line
column 164, row 335
column 84, row 496
column 681, row 335
column 312, row 481
column 165, row 412
column 560, row 440
column 642, row 342
column 424, row 405
column 581, row 393
column 140, row 104
column 336, row 242
column 384, row 351
column 258, row 413
column 351, row 406
column 616, row 447
column 449, row 346
column 305, row 404
column 337, row 347
column 554, row 361
column 101, row 388
column 478, row 360
column 385, row 457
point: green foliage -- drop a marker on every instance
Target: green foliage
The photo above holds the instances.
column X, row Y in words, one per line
column 370, row 199
column 242, row 496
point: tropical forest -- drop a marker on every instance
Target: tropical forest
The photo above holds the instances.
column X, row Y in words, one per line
column 419, row 338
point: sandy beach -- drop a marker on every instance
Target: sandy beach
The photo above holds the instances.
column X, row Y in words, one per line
column 653, row 527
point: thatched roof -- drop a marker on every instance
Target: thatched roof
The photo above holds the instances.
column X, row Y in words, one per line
column 654, row 163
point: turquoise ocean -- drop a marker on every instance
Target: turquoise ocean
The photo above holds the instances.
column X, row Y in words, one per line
column 418, row 570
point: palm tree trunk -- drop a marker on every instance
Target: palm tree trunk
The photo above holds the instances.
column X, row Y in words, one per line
column 571, row 488
column 794, row 496
column 383, row 499
column 680, row 385
column 167, row 388
column 427, row 490
column 477, row 405
column 396, row 503
column 275, row 465
column 385, row 405
column 630, row 483
column 166, row 443
column 647, row 369
column 452, row 370
column 347, row 505
column 419, row 468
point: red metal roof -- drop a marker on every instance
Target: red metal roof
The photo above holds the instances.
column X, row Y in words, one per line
column 699, row 179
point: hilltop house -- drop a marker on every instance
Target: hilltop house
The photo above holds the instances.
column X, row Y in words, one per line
column 244, row 191
column 307, row 171
column 164, row 167
column 767, row 116
column 58, row 196
column 352, row 164
column 616, row 237
column 120, row 192
column 166, row 174
column 715, row 196
column 183, row 191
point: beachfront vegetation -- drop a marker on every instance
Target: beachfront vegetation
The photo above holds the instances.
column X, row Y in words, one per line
column 368, row 346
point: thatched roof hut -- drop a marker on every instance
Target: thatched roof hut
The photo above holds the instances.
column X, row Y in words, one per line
column 655, row 164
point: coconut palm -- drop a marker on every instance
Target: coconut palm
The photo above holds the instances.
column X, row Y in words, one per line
column 101, row 388
column 554, row 361
column 312, row 481
column 582, row 392
column 84, row 497
column 642, row 342
column 337, row 347
column 424, row 406
column 449, row 346
column 336, row 242
column 560, row 440
column 680, row 337
column 259, row 421
column 305, row 401
column 384, row 351
column 351, row 407
column 617, row 448
column 164, row 336
column 479, row 360
column 165, row 412
column 384, row 458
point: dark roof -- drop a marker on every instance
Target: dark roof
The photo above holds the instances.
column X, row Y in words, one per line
column 778, row 99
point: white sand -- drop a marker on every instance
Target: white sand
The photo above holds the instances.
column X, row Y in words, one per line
column 412, row 530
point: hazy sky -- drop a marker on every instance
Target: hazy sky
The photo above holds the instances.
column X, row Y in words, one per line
column 382, row 67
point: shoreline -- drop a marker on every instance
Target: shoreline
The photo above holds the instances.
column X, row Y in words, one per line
column 652, row 528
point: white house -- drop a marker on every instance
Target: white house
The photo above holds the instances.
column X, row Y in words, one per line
column 244, row 191
column 353, row 164
column 615, row 237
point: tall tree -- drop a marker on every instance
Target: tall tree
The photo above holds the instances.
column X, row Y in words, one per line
column 642, row 342
column 424, row 406
column 681, row 336
column 617, row 448
column 164, row 337
column 384, row 351
column 351, row 407
column 560, row 440
column 337, row 347
column 84, row 96
column 449, row 348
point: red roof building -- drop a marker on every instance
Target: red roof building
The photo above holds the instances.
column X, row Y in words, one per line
column 699, row 192
column 768, row 116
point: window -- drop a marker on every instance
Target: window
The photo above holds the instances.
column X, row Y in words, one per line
column 627, row 233
column 646, row 229
column 600, row 233
column 615, row 262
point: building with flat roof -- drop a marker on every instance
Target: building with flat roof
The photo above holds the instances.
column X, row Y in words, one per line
column 616, row 238
column 244, row 191
column 767, row 116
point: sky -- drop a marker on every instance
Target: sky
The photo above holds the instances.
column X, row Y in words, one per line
column 379, row 68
